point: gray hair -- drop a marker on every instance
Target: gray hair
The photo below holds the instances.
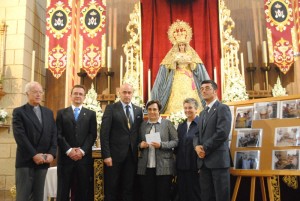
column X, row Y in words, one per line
column 30, row 85
column 192, row 101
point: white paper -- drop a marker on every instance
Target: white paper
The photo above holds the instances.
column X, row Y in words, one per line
column 153, row 137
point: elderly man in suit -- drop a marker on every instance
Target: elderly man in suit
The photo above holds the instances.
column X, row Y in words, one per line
column 77, row 132
column 211, row 146
column 36, row 137
column 119, row 131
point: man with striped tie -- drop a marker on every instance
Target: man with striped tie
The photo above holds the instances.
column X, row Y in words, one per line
column 119, row 131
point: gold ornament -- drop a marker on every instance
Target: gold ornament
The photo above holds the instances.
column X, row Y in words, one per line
column 180, row 32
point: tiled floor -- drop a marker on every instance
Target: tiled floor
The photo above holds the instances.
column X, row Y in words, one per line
column 5, row 196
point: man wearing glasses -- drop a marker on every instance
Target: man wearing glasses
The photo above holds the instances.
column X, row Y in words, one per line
column 36, row 137
column 211, row 146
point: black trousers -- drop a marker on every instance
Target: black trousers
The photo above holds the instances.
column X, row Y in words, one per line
column 68, row 174
column 188, row 185
column 155, row 188
column 119, row 179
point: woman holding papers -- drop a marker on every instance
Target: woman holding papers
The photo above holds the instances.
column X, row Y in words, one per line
column 157, row 139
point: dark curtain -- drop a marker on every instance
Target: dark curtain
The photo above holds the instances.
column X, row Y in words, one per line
column 158, row 15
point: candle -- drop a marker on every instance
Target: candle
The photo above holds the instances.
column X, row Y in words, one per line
column 121, row 69
column 142, row 80
column 215, row 75
column 32, row 65
column 242, row 65
column 67, row 87
column 109, row 58
column 149, row 85
column 249, row 49
column 264, row 52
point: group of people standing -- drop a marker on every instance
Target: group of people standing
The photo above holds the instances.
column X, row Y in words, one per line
column 199, row 144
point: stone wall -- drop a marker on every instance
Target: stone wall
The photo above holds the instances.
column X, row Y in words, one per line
column 26, row 27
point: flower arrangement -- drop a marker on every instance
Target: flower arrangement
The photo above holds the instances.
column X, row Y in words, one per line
column 177, row 118
column 278, row 90
column 91, row 103
column 3, row 115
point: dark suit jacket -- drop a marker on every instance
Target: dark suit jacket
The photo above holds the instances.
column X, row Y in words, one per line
column 115, row 135
column 213, row 136
column 81, row 133
column 186, row 157
column 32, row 137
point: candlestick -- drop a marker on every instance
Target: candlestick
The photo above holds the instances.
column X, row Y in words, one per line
column 127, row 63
column 264, row 52
column 109, row 58
column 249, row 50
column 121, row 69
column 251, row 69
column 242, row 65
column 266, row 70
column 149, row 85
column 215, row 75
column 32, row 65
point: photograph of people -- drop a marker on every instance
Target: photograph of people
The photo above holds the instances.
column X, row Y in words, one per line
column 286, row 159
column 249, row 137
column 247, row 160
column 156, row 164
column 244, row 117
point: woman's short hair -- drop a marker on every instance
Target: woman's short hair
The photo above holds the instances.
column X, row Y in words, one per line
column 192, row 101
column 154, row 102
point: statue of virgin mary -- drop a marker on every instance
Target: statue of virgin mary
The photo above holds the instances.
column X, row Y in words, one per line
column 181, row 71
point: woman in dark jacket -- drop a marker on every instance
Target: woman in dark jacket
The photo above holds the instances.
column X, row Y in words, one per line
column 186, row 157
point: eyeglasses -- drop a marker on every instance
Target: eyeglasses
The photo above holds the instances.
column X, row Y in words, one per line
column 77, row 94
column 205, row 88
column 37, row 92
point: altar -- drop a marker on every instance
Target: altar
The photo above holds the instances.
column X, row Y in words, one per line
column 98, row 175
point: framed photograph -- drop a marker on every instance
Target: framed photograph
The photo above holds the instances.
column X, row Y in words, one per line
column 246, row 160
column 249, row 138
column 266, row 110
column 287, row 136
column 285, row 159
column 288, row 109
column 243, row 117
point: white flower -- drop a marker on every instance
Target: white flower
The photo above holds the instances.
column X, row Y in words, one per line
column 91, row 103
column 3, row 114
column 177, row 118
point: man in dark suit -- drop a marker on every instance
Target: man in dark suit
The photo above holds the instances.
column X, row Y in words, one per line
column 77, row 131
column 211, row 146
column 36, row 137
column 119, row 131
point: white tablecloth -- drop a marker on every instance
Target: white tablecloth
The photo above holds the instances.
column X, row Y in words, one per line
column 50, row 183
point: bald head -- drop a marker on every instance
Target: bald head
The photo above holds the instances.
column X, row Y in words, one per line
column 126, row 92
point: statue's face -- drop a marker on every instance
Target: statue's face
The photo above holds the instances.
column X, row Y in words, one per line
column 181, row 47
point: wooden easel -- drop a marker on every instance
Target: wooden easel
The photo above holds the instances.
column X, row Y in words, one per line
column 252, row 190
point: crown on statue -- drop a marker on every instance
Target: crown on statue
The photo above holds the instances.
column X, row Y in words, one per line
column 180, row 32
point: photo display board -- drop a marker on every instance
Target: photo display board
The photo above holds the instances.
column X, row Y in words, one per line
column 265, row 137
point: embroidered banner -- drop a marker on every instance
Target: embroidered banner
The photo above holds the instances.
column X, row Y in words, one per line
column 280, row 33
column 58, row 36
column 92, row 39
